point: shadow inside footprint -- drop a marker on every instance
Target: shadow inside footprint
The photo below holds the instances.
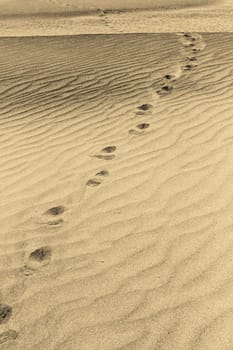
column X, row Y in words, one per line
column 5, row 313
column 169, row 77
column 189, row 66
column 196, row 50
column 192, row 58
column 56, row 210
column 109, row 149
column 41, row 255
column 8, row 336
column 189, row 45
column 143, row 126
column 166, row 89
column 102, row 173
column 145, row 107
column 93, row 182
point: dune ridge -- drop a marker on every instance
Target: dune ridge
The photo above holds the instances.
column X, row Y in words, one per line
column 204, row 19
column 56, row 6
column 116, row 192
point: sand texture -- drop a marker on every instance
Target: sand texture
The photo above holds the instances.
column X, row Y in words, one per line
column 116, row 157
column 27, row 18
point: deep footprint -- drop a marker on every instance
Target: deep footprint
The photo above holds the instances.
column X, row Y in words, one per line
column 109, row 149
column 56, row 210
column 165, row 90
column 41, row 255
column 145, row 107
column 8, row 336
column 5, row 313
column 93, row 182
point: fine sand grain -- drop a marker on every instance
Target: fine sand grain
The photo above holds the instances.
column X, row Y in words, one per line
column 116, row 157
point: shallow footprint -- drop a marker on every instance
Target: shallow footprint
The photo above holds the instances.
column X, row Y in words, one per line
column 8, row 336
column 55, row 222
column 105, row 157
column 5, row 313
column 102, row 173
column 93, row 182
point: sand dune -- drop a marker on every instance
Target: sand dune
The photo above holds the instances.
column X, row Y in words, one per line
column 54, row 6
column 116, row 192
column 214, row 18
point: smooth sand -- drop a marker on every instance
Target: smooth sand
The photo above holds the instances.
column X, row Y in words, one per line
column 116, row 157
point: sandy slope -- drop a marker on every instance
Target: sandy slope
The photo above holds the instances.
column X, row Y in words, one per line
column 55, row 6
column 27, row 18
column 116, row 192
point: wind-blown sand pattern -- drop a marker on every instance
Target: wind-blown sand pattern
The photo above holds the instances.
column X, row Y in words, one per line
column 40, row 18
column 116, row 192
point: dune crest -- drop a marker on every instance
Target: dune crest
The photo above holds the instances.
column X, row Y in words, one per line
column 55, row 6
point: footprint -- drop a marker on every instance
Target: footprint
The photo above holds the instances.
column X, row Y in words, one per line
column 93, row 182
column 107, row 157
column 169, row 77
column 187, row 35
column 102, row 173
column 189, row 66
column 134, row 132
column 55, row 222
column 166, row 89
column 192, row 58
column 5, row 313
column 196, row 50
column 189, row 45
column 145, row 107
column 109, row 149
column 8, row 336
column 143, row 126
column 56, row 210
column 40, row 257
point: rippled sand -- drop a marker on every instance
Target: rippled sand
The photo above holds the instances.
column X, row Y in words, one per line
column 116, row 192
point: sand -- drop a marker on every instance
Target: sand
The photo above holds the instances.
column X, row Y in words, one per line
column 43, row 18
column 59, row 6
column 116, row 192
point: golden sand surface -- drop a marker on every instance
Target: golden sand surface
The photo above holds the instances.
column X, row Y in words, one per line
column 43, row 18
column 116, row 158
